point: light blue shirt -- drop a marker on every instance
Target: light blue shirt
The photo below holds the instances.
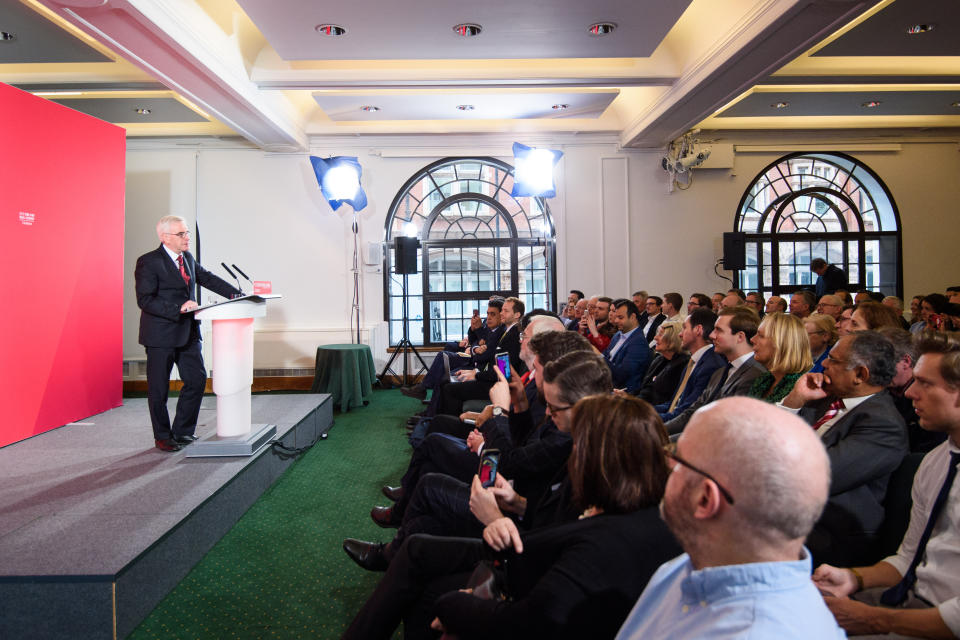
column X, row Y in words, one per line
column 623, row 340
column 760, row 600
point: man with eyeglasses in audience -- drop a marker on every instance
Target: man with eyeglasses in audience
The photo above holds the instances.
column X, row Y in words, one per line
column 747, row 485
column 830, row 305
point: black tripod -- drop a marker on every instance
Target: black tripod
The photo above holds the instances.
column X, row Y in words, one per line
column 403, row 347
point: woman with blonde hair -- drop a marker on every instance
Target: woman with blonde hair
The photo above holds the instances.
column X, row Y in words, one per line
column 822, row 332
column 783, row 347
column 665, row 372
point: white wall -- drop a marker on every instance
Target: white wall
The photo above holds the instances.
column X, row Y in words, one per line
column 265, row 213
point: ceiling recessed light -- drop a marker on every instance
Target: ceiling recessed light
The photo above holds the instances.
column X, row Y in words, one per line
column 602, row 28
column 920, row 28
column 6, row 36
column 465, row 107
column 143, row 111
column 330, row 29
column 870, row 104
column 560, row 107
column 467, row 29
column 369, row 108
column 780, row 105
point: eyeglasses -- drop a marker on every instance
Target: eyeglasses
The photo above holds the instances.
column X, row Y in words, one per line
column 726, row 494
column 555, row 409
column 182, row 234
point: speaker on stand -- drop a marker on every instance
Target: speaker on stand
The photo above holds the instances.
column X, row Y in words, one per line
column 405, row 263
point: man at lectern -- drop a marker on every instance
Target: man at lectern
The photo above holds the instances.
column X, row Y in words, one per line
column 166, row 283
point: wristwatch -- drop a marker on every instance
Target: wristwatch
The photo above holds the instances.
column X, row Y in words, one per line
column 497, row 412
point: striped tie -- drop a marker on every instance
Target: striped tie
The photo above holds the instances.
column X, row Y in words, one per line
column 831, row 413
column 183, row 271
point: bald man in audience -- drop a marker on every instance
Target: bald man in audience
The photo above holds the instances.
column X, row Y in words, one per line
column 748, row 484
column 830, row 305
column 775, row 304
column 916, row 592
column 731, row 300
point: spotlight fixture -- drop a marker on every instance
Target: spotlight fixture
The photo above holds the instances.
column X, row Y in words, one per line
column 780, row 105
column 920, row 28
column 533, row 171
column 369, row 108
column 870, row 104
column 142, row 111
column 6, row 36
column 560, row 107
column 339, row 180
column 467, row 30
column 955, row 104
column 465, row 107
column 602, row 28
column 330, row 29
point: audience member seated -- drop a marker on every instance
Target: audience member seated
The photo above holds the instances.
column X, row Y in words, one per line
column 931, row 313
column 830, row 305
column 435, row 496
column 783, row 348
column 699, row 301
column 756, row 302
column 865, row 437
column 822, row 333
column 572, row 580
column 478, row 336
column 844, row 296
column 672, row 306
column 667, row 367
column 953, row 294
column 732, row 300
column 843, row 323
column 732, row 332
column 628, row 353
column 695, row 340
column 871, row 315
column 905, row 351
column 830, row 277
column 475, row 384
column 596, row 327
column 916, row 592
column 652, row 318
column 747, row 485
column 572, row 299
column 640, row 299
column 915, row 309
column 896, row 304
column 802, row 303
column 572, row 313
column 716, row 299
column 776, row 304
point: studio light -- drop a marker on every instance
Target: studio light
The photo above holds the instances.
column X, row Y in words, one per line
column 533, row 175
column 339, row 180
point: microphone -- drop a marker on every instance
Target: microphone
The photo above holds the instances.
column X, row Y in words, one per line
column 232, row 275
column 240, row 271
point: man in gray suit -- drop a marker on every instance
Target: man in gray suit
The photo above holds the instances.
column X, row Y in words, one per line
column 731, row 336
column 865, row 437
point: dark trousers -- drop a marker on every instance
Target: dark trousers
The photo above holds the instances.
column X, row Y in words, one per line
column 425, row 568
column 436, row 454
column 450, row 425
column 440, row 505
column 456, row 393
column 189, row 361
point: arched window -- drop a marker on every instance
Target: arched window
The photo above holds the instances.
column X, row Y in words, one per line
column 819, row 205
column 476, row 241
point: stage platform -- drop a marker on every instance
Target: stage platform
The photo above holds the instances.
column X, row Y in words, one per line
column 97, row 526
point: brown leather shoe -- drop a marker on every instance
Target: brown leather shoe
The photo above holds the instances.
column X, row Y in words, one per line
column 170, row 445
column 369, row 555
column 383, row 516
column 393, row 493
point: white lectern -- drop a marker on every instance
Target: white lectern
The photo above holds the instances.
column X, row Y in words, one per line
column 232, row 378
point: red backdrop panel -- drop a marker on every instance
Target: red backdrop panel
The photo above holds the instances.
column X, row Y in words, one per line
column 61, row 220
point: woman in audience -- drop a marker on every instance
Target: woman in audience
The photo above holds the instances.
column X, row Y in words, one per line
column 915, row 310
column 574, row 580
column 782, row 346
column 822, row 332
column 666, row 370
column 931, row 313
column 870, row 315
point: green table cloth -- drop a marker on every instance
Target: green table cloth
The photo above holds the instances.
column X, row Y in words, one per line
column 346, row 372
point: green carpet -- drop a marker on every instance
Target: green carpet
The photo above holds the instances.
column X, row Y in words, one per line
column 281, row 572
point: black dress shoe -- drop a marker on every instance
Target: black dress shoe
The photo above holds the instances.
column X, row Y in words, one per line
column 416, row 391
column 167, row 445
column 412, row 422
column 393, row 493
column 383, row 516
column 185, row 440
column 369, row 555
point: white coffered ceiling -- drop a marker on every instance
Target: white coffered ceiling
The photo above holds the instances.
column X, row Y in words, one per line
column 262, row 70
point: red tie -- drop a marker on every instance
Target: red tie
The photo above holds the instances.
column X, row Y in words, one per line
column 183, row 272
column 831, row 413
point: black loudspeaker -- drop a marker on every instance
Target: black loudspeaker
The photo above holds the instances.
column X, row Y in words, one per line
column 734, row 251
column 405, row 254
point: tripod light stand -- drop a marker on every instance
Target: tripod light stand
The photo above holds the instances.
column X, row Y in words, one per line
column 405, row 263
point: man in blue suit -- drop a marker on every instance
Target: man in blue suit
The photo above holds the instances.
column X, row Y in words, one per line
column 628, row 354
column 695, row 339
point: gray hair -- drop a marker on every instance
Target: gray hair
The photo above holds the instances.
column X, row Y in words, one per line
column 539, row 324
column 163, row 225
column 875, row 352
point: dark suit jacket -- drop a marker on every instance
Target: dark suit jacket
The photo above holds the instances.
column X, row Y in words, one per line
column 719, row 386
column 161, row 292
column 629, row 364
column 864, row 446
column 509, row 341
column 832, row 279
column 652, row 331
column 699, row 378
column 662, row 378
